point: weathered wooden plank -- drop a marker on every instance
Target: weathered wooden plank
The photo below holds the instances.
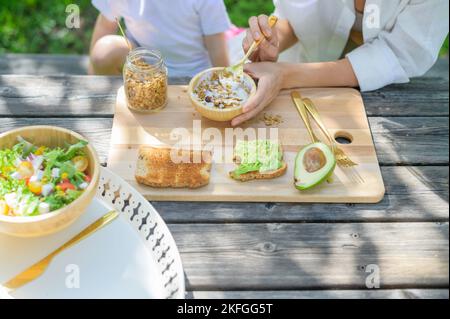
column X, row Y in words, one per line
column 411, row 140
column 96, row 130
column 43, row 64
column 412, row 194
column 313, row 256
column 406, row 141
column 22, row 95
column 324, row 294
column 60, row 96
column 421, row 97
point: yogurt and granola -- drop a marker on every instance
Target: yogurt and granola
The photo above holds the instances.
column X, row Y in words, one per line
column 222, row 92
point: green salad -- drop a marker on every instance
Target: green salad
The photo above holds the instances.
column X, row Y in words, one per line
column 36, row 180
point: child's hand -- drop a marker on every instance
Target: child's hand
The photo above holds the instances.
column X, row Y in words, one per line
column 269, row 49
column 270, row 78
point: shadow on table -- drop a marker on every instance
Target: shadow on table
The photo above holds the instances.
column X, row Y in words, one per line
column 57, row 96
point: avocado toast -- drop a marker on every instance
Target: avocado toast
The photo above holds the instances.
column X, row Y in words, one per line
column 258, row 159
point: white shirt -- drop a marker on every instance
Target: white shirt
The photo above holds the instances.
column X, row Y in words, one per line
column 174, row 27
column 402, row 38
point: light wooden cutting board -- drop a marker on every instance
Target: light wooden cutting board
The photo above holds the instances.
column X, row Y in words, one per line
column 341, row 109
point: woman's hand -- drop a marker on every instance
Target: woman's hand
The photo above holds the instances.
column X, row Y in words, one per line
column 270, row 78
column 269, row 48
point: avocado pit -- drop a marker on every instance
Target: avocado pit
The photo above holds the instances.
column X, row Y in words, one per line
column 314, row 159
column 314, row 164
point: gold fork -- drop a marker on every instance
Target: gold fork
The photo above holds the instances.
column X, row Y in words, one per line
column 39, row 268
column 342, row 159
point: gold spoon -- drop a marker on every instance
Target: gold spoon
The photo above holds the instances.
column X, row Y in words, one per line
column 130, row 47
column 238, row 68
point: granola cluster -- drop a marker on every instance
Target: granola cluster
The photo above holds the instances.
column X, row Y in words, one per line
column 146, row 89
column 224, row 93
column 271, row 120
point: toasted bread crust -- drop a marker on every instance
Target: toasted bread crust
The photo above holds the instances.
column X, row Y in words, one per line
column 155, row 168
column 257, row 175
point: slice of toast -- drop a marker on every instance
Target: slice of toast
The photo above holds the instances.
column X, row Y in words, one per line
column 257, row 175
column 155, row 168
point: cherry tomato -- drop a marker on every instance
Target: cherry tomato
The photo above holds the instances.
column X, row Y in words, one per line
column 35, row 187
column 25, row 170
column 4, row 208
column 81, row 163
column 65, row 185
column 87, row 178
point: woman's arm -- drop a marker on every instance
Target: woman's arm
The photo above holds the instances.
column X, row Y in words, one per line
column 273, row 77
column 322, row 74
column 277, row 39
column 407, row 50
column 216, row 45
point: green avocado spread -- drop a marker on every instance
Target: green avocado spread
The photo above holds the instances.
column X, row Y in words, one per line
column 257, row 156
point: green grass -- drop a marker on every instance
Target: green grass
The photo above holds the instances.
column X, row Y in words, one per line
column 444, row 50
column 33, row 26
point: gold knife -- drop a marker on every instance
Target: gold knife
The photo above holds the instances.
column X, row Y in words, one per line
column 301, row 108
column 39, row 268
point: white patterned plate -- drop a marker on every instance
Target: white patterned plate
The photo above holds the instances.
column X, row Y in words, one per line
column 133, row 257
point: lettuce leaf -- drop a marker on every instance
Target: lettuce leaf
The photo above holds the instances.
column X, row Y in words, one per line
column 73, row 150
column 247, row 168
column 51, row 158
column 23, row 148
column 68, row 168
column 57, row 200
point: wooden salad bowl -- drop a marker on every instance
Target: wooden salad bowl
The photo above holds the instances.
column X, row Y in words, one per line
column 35, row 226
column 214, row 114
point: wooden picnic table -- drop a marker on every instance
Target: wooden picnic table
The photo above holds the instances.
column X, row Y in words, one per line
column 279, row 250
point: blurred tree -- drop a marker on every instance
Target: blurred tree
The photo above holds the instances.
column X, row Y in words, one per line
column 240, row 11
column 33, row 26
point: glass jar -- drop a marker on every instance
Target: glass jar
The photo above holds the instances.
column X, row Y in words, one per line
column 145, row 80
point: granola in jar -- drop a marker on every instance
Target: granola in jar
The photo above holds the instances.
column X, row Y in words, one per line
column 145, row 81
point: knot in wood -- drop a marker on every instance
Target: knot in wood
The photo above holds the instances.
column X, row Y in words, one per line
column 268, row 247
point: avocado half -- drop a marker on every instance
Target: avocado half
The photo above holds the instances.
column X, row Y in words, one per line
column 314, row 164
